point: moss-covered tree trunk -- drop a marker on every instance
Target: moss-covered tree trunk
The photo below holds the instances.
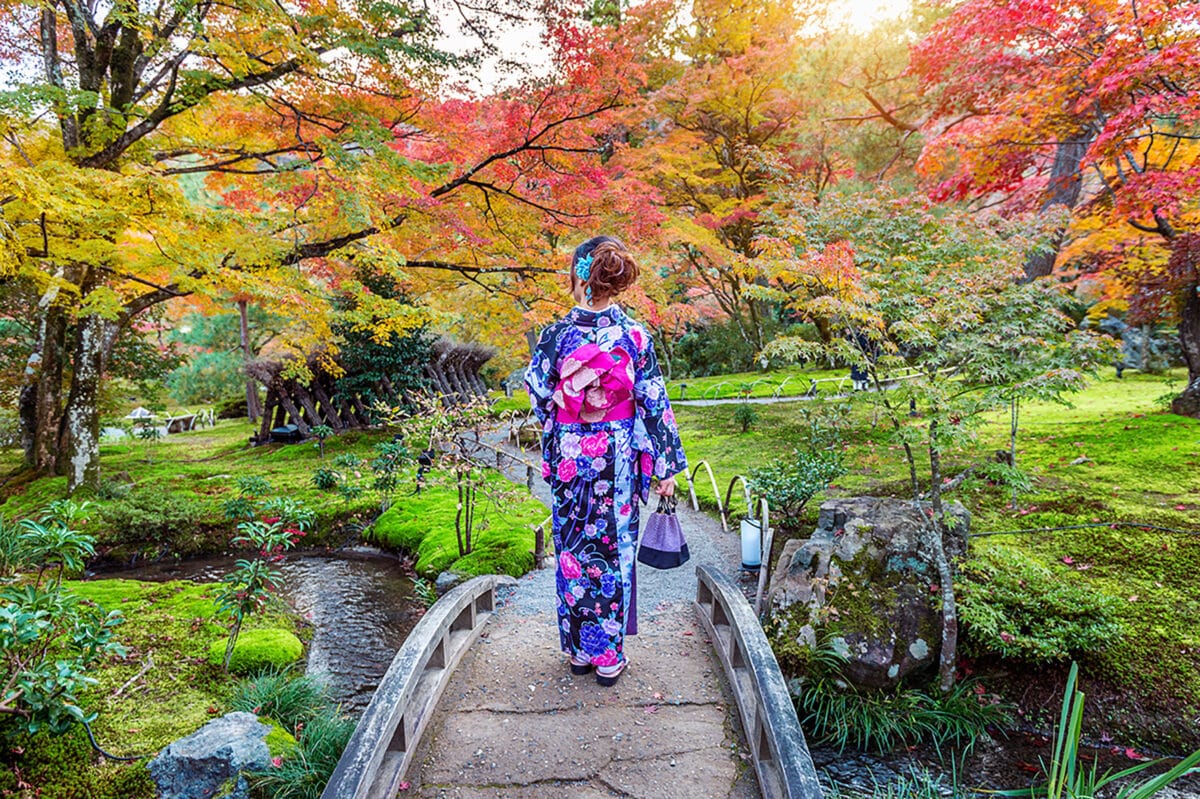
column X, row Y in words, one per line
column 948, row 658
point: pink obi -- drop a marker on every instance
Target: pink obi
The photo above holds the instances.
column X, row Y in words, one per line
column 595, row 386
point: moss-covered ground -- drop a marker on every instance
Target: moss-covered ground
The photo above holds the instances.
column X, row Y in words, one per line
column 1141, row 465
column 503, row 536
column 166, row 497
column 162, row 690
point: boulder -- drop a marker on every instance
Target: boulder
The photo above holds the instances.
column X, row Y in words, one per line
column 210, row 761
column 867, row 580
column 447, row 580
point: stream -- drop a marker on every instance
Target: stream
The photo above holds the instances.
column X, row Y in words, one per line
column 360, row 604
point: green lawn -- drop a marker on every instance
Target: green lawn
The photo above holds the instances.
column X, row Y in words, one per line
column 1143, row 466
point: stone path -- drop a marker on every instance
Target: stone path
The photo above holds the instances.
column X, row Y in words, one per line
column 515, row 723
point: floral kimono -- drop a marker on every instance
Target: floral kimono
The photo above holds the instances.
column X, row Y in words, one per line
column 607, row 430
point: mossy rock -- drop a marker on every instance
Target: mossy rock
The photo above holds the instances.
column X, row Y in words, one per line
column 256, row 650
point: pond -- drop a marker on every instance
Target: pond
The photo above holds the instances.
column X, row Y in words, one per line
column 360, row 603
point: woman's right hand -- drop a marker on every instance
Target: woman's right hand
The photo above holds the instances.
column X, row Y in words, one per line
column 665, row 487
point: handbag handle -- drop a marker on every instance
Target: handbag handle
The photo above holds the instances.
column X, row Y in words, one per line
column 666, row 505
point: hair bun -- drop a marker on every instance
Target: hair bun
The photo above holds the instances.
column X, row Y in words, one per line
column 613, row 269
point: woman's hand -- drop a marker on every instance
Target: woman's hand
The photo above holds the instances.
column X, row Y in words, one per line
column 665, row 487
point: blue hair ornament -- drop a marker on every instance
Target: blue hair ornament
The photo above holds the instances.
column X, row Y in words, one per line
column 583, row 271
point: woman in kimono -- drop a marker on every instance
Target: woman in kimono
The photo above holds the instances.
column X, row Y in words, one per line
column 608, row 430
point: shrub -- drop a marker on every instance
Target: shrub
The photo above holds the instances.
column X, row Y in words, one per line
column 280, row 694
column 258, row 650
column 1015, row 607
column 326, row 479
column 233, row 408
column 788, row 485
column 319, row 745
column 150, row 515
column 839, row 714
column 745, row 416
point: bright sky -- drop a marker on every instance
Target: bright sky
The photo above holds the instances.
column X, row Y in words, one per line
column 521, row 42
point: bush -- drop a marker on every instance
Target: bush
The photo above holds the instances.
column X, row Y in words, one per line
column 233, row 408
column 745, row 416
column 282, row 695
column 150, row 515
column 789, row 485
column 258, row 650
column 834, row 712
column 1015, row 607
column 325, row 479
column 319, row 745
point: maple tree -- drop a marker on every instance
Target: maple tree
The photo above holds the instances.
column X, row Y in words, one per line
column 722, row 121
column 256, row 151
column 928, row 301
column 1092, row 108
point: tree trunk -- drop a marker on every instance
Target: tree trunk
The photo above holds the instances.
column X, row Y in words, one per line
column 40, row 401
column 948, row 658
column 1188, row 403
column 253, row 409
column 1065, row 183
column 82, row 416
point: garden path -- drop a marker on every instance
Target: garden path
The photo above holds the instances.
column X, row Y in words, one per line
column 515, row 723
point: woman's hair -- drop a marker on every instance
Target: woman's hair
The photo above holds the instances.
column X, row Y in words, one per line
column 613, row 268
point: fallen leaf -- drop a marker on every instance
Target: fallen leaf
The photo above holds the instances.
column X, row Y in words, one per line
column 650, row 709
column 1067, row 559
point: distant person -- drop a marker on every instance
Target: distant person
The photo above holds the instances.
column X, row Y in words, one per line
column 608, row 430
column 860, row 376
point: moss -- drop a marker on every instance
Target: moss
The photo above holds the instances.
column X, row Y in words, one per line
column 175, row 505
column 280, row 742
column 62, row 767
column 256, row 650
column 171, row 626
column 1144, row 466
column 423, row 524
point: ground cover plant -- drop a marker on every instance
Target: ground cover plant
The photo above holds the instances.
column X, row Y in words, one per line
column 1112, row 457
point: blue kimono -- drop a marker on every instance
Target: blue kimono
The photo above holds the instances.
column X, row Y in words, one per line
column 608, row 429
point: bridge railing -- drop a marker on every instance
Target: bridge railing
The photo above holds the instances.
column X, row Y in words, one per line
column 382, row 746
column 781, row 760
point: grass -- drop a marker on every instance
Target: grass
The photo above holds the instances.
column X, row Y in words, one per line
column 789, row 381
column 1143, row 465
column 173, row 503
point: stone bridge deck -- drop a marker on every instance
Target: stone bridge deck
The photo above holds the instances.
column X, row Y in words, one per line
column 514, row 723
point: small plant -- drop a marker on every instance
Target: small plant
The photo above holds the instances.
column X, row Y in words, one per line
column 320, row 433
column 745, row 416
column 12, row 547
column 1015, row 607
column 390, row 459
column 919, row 783
column 247, row 588
column 788, row 485
column 49, row 639
column 349, row 491
column 1067, row 778
column 249, row 489
column 304, row 773
column 148, row 435
column 326, row 479
column 285, row 696
column 425, row 592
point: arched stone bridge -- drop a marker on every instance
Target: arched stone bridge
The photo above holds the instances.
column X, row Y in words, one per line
column 479, row 702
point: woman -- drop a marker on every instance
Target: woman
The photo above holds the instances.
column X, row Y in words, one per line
column 607, row 430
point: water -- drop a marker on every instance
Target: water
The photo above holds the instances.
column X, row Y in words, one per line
column 360, row 604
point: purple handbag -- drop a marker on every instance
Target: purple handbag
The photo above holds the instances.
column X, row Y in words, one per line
column 663, row 546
